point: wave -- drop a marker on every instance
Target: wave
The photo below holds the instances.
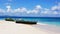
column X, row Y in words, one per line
column 41, row 23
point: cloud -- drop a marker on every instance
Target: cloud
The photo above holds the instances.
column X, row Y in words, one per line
column 45, row 11
column 8, row 8
column 20, row 9
column 56, row 7
column 1, row 10
column 38, row 10
column 35, row 10
column 28, row 11
column 32, row 12
column 38, row 7
column 55, row 12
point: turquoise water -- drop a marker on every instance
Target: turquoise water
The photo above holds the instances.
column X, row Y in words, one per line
column 44, row 20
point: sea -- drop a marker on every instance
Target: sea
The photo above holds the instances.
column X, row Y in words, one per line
column 41, row 20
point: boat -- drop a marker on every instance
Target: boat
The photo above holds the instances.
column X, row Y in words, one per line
column 26, row 22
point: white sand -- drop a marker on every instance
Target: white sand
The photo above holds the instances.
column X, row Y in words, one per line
column 7, row 27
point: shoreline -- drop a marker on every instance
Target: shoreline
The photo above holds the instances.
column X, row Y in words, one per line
column 48, row 28
column 54, row 25
column 13, row 28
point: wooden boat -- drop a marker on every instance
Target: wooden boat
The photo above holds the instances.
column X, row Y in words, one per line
column 9, row 19
column 26, row 22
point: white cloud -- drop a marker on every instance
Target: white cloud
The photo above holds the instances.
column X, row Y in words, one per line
column 56, row 7
column 20, row 10
column 16, row 10
column 8, row 8
column 38, row 7
column 55, row 12
column 1, row 10
column 28, row 12
column 50, row 11
column 32, row 11
column 45, row 11
column 37, row 10
column 23, row 9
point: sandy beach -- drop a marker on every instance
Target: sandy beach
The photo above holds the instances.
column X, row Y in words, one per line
column 7, row 27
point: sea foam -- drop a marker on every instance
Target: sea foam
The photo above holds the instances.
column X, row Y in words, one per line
column 41, row 23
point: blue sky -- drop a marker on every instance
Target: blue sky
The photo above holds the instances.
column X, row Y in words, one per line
column 30, row 8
